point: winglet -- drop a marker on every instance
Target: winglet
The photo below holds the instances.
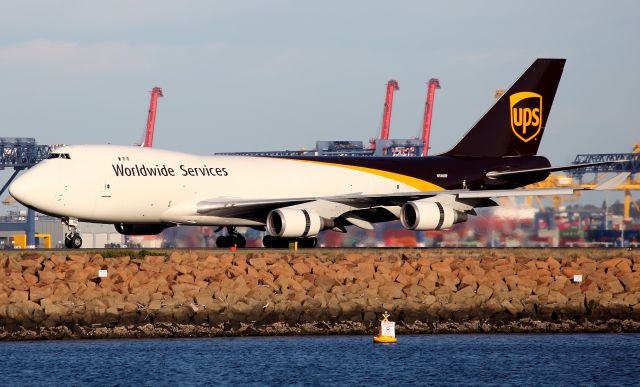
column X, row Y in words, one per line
column 613, row 182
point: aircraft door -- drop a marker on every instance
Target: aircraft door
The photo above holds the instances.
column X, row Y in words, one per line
column 106, row 190
column 103, row 198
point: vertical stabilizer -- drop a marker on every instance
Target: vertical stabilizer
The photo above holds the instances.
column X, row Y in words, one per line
column 516, row 122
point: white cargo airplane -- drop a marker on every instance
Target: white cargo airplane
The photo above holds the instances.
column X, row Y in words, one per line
column 145, row 190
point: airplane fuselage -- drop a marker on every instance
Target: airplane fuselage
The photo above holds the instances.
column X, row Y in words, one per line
column 115, row 184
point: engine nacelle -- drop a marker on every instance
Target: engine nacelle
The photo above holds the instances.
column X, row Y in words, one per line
column 293, row 223
column 425, row 216
column 140, row 229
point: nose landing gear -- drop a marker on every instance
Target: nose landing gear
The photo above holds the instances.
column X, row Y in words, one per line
column 72, row 239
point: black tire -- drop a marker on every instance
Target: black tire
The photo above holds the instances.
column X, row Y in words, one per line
column 239, row 241
column 223, row 241
column 309, row 243
column 67, row 242
column 267, row 241
column 75, row 241
column 283, row 243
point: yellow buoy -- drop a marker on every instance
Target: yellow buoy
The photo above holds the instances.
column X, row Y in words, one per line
column 385, row 339
column 387, row 332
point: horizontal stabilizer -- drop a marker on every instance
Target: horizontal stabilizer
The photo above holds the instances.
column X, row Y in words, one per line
column 508, row 174
column 515, row 192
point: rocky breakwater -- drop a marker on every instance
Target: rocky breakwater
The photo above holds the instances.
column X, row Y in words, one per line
column 213, row 293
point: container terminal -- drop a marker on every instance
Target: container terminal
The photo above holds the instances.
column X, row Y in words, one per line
column 532, row 223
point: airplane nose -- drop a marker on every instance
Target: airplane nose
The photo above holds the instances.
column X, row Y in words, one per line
column 19, row 189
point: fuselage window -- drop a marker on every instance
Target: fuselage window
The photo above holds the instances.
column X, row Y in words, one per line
column 59, row 156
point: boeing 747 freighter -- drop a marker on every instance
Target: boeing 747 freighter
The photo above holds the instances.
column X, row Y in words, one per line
column 145, row 190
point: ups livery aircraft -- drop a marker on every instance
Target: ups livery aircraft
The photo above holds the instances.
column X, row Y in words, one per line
column 144, row 190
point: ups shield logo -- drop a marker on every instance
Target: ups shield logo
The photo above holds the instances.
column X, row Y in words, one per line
column 526, row 114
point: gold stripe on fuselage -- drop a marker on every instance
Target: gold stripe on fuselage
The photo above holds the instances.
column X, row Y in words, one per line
column 414, row 182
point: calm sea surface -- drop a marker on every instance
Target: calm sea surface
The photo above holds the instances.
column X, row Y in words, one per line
column 517, row 359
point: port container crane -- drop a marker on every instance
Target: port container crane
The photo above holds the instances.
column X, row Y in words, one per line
column 630, row 163
column 21, row 153
column 392, row 86
column 151, row 119
column 428, row 110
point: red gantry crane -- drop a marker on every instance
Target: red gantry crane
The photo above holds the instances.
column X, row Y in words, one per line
column 151, row 120
column 392, row 86
column 428, row 110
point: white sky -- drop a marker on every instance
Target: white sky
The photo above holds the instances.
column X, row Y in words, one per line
column 263, row 75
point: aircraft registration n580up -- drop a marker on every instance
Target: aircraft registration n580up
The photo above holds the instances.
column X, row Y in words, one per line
column 145, row 190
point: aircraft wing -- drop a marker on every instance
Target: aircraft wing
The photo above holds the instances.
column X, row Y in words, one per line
column 366, row 205
column 230, row 207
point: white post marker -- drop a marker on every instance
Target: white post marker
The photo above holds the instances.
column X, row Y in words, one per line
column 387, row 332
column 577, row 278
column 102, row 273
column 388, row 328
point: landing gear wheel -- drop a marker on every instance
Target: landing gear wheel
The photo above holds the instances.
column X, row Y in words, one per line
column 72, row 241
column 223, row 241
column 307, row 243
column 268, row 241
column 233, row 239
column 239, row 241
column 76, row 241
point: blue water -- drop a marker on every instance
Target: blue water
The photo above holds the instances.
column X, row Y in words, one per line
column 517, row 359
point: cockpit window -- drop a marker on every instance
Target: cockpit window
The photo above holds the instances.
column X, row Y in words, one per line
column 59, row 156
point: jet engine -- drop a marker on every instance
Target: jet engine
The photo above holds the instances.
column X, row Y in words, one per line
column 425, row 216
column 293, row 223
column 140, row 229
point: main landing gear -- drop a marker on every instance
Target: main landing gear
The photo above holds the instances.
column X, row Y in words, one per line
column 233, row 239
column 282, row 243
column 72, row 239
